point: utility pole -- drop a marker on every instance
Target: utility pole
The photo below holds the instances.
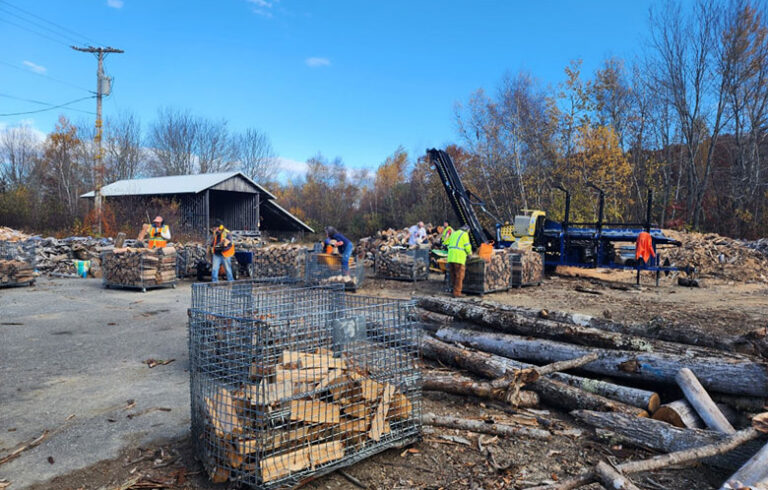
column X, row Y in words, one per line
column 103, row 87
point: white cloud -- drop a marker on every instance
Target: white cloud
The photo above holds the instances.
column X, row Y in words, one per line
column 317, row 62
column 34, row 67
column 290, row 169
column 115, row 4
column 263, row 7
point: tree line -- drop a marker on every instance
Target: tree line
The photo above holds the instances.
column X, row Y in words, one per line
column 686, row 118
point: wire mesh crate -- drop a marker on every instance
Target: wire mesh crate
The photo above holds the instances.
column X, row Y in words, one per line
column 402, row 265
column 288, row 382
column 281, row 261
column 187, row 258
column 322, row 268
column 482, row 277
column 140, row 269
column 17, row 262
column 527, row 268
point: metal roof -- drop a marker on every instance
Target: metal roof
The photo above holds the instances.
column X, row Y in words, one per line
column 175, row 184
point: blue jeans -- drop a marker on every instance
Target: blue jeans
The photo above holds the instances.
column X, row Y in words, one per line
column 217, row 261
column 345, row 255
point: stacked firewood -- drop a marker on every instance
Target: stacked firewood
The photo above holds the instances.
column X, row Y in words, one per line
column 487, row 276
column 711, row 390
column 527, row 268
column 330, row 408
column 140, row 266
column 399, row 264
column 187, row 257
column 279, row 261
column 15, row 272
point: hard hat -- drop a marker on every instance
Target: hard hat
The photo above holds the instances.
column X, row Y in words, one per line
column 158, row 219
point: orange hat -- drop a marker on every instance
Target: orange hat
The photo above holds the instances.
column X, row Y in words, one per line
column 158, row 219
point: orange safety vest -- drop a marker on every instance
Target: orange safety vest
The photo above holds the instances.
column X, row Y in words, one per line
column 156, row 240
column 644, row 247
column 221, row 235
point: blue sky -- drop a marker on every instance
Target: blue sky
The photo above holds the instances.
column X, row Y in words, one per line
column 353, row 79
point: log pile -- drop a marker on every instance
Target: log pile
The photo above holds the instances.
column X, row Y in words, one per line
column 350, row 282
column 10, row 235
column 486, row 277
column 329, row 407
column 283, row 260
column 402, row 265
column 527, row 268
column 187, row 257
column 139, row 267
column 708, row 386
column 15, row 272
column 719, row 257
column 386, row 240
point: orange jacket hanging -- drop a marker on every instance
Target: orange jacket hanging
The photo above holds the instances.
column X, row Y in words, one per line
column 644, row 246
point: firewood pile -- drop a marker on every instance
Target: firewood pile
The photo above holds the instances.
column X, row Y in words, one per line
column 56, row 256
column 674, row 392
column 406, row 265
column 10, row 235
column 761, row 245
column 527, row 268
column 385, row 240
column 283, row 260
column 495, row 275
column 13, row 272
column 139, row 267
column 719, row 257
column 316, row 396
column 324, row 269
column 187, row 257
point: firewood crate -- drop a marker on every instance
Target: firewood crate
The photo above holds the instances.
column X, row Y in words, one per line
column 402, row 265
column 17, row 262
column 139, row 268
column 483, row 277
column 288, row 383
column 527, row 268
column 280, row 261
column 187, row 258
column 321, row 270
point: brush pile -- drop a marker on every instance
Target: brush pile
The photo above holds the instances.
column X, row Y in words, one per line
column 719, row 257
column 672, row 389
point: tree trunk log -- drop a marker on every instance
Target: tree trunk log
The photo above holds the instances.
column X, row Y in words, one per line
column 743, row 403
column 551, row 391
column 483, row 427
column 572, row 328
column 680, row 414
column 612, row 479
column 647, row 400
column 726, row 375
column 530, row 375
column 459, row 384
column 752, row 343
column 752, row 474
column 661, row 436
column 664, row 460
column 701, row 402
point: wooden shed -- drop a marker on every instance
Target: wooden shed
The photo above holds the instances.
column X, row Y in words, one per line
column 229, row 196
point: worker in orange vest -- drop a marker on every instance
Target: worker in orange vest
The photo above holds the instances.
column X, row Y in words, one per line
column 158, row 233
column 222, row 250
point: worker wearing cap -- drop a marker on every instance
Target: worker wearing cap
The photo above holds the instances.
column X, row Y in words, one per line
column 344, row 245
column 222, row 250
column 458, row 250
column 158, row 233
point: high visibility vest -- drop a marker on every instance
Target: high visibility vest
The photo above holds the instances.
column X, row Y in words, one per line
column 156, row 239
column 459, row 247
column 447, row 232
column 220, row 236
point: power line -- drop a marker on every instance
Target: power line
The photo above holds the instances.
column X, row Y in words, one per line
column 59, row 26
column 48, row 108
column 39, row 25
column 33, row 32
column 33, row 101
column 11, row 65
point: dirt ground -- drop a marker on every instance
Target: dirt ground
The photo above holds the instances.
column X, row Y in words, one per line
column 453, row 459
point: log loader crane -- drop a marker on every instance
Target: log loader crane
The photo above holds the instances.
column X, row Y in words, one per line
column 597, row 244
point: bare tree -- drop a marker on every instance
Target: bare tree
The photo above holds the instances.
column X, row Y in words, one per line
column 172, row 142
column 19, row 148
column 214, row 146
column 123, row 153
column 255, row 155
column 692, row 78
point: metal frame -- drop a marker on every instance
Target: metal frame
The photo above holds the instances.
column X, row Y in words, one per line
column 239, row 334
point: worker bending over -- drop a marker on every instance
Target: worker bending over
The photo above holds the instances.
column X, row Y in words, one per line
column 344, row 245
column 417, row 234
column 158, row 233
column 222, row 249
column 458, row 250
